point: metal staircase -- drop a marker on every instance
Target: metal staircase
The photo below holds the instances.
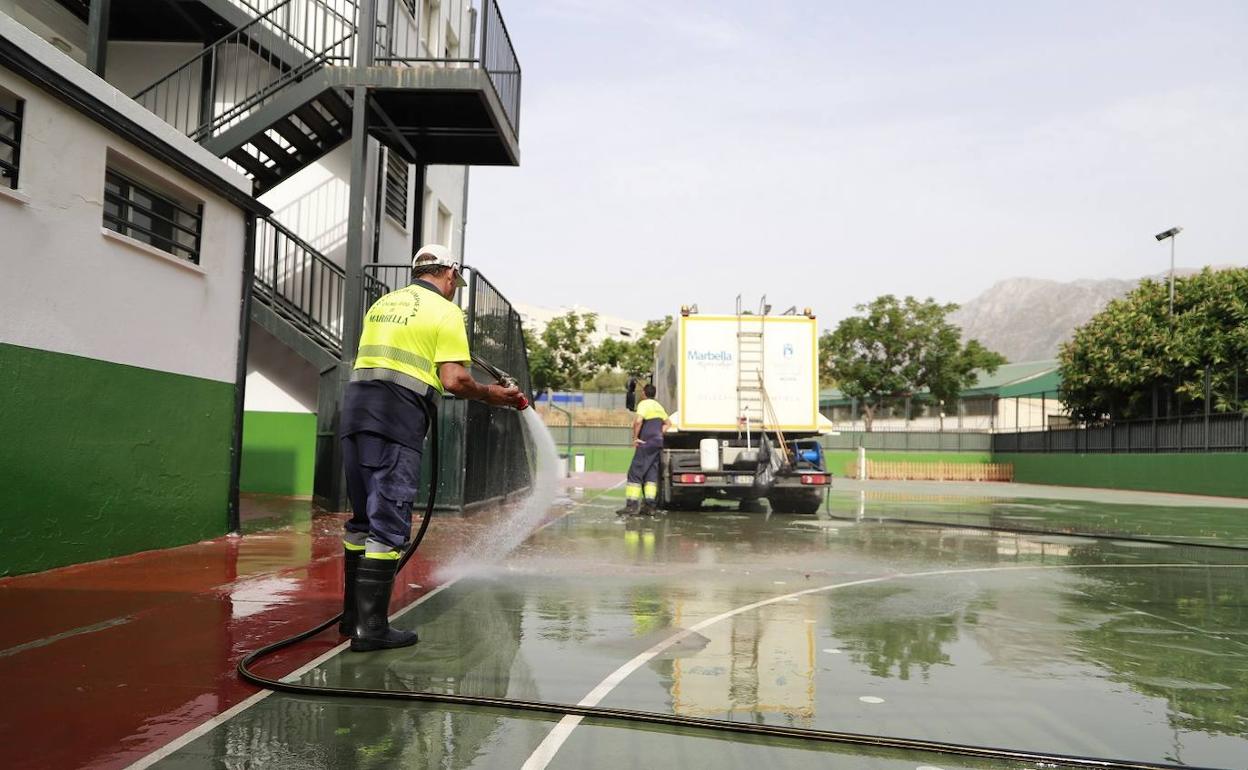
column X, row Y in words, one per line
column 750, row 340
column 262, row 108
column 271, row 96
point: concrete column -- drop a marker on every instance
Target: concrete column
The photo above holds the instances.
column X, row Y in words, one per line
column 329, row 485
column 97, row 36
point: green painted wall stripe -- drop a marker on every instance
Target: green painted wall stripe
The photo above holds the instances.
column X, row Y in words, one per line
column 1213, row 473
column 279, row 452
column 101, row 459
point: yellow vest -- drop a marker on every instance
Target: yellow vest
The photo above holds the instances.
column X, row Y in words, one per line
column 651, row 410
column 407, row 333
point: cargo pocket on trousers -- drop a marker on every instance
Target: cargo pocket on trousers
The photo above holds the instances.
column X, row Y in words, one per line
column 401, row 496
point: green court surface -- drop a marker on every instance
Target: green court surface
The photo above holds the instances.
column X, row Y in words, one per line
column 1052, row 643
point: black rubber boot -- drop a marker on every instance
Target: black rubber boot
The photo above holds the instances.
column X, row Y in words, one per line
column 629, row 509
column 374, row 579
column 350, row 566
column 647, row 509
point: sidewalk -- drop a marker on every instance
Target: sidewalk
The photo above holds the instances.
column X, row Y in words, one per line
column 106, row 662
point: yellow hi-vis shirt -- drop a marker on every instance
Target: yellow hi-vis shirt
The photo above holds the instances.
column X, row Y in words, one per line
column 652, row 415
column 409, row 332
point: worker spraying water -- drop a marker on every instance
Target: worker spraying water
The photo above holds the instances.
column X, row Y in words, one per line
column 413, row 349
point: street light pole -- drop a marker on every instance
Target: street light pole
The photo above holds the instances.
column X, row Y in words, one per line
column 1171, row 234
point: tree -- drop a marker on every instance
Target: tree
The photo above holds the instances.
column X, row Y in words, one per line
column 896, row 348
column 562, row 357
column 541, row 364
column 635, row 356
column 1115, row 363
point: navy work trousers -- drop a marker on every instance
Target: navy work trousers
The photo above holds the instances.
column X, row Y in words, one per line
column 382, row 480
column 645, row 465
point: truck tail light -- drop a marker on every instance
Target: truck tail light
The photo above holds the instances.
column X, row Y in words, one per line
column 814, row 478
column 692, row 478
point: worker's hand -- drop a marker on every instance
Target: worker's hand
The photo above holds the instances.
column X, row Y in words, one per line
column 501, row 396
column 638, row 442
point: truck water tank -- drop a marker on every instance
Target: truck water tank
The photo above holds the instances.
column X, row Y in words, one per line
column 708, row 451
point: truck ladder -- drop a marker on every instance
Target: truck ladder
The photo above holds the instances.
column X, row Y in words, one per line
column 750, row 397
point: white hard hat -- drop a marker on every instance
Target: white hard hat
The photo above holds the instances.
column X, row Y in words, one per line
column 437, row 254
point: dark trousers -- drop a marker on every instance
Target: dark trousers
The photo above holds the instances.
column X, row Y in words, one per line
column 382, row 480
column 644, row 470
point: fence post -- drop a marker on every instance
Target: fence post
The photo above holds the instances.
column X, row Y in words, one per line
column 1208, row 396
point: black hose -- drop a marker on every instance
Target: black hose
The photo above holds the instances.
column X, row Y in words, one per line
column 647, row 717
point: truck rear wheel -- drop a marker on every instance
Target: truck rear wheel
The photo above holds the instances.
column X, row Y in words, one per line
column 804, row 501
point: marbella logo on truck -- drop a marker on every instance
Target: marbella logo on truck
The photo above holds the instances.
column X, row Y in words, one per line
column 717, row 357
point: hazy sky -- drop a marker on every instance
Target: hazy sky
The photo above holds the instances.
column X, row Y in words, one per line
column 827, row 152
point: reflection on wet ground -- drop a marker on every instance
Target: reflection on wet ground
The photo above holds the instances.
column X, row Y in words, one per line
column 1054, row 643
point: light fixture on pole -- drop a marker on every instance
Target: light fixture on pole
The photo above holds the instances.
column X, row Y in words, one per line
column 1171, row 233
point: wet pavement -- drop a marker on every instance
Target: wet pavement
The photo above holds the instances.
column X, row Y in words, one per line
column 945, row 631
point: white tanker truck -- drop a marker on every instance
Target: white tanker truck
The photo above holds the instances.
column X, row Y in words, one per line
column 743, row 394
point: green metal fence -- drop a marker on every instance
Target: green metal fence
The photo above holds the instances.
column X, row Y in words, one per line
column 892, row 441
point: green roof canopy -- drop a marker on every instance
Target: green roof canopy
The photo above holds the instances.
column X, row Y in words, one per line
column 1028, row 378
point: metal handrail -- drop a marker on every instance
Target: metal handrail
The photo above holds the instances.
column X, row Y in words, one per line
column 399, row 44
column 318, row 35
column 301, row 283
column 311, row 29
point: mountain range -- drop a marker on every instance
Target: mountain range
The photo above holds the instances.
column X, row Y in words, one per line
column 1026, row 319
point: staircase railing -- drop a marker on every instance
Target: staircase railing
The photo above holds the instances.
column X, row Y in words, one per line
column 401, row 42
column 303, row 285
column 245, row 69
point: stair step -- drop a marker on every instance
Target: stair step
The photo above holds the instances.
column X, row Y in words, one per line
column 339, row 107
column 264, row 176
column 312, row 118
column 287, row 129
column 275, row 152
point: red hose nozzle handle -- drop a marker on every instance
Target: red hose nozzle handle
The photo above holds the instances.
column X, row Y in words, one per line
column 507, row 381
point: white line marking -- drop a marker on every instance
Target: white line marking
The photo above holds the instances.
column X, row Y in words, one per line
column 45, row 641
column 241, row 706
column 560, row 733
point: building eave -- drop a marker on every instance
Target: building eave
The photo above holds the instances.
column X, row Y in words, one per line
column 31, row 58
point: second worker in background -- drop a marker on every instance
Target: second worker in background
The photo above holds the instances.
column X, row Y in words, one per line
column 643, row 474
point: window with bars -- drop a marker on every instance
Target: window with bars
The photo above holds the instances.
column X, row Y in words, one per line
column 134, row 209
column 11, row 109
column 397, row 171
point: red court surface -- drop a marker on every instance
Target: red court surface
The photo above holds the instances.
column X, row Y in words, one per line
column 106, row 662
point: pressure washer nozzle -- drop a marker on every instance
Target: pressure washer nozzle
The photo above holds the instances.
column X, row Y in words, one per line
column 507, row 381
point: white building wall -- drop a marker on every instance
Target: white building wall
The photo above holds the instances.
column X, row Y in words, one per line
column 84, row 290
column 278, row 380
column 535, row 318
column 53, row 22
column 131, row 67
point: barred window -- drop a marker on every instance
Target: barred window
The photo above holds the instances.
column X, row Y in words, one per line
column 397, row 171
column 134, row 209
column 10, row 138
